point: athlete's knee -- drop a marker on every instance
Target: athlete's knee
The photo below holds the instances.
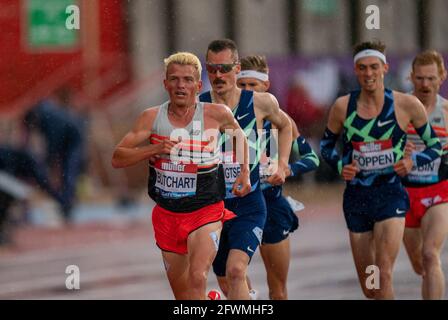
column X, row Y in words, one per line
column 236, row 271
column 385, row 276
column 430, row 259
column 197, row 278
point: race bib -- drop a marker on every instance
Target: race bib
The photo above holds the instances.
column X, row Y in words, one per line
column 374, row 157
column 175, row 179
column 429, row 173
column 231, row 172
column 267, row 168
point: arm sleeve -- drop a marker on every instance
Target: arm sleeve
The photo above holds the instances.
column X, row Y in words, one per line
column 308, row 159
column 328, row 150
column 433, row 146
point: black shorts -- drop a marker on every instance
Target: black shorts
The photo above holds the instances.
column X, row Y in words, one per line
column 280, row 222
column 364, row 206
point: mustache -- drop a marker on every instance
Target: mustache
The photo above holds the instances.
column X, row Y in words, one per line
column 219, row 81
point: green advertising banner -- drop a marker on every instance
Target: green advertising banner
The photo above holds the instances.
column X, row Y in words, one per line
column 46, row 24
column 320, row 7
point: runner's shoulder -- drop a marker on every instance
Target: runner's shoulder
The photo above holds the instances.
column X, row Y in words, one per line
column 146, row 118
column 407, row 102
column 216, row 109
column 150, row 112
column 341, row 104
column 401, row 97
column 264, row 100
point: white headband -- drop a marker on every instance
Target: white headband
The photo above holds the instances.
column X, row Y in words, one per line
column 252, row 74
column 370, row 53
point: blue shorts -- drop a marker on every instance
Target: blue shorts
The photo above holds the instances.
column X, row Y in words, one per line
column 280, row 222
column 243, row 232
column 364, row 206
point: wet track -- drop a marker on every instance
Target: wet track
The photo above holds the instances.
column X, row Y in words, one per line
column 118, row 259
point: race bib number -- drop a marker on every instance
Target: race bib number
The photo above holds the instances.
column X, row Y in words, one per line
column 231, row 172
column 429, row 173
column 267, row 167
column 175, row 179
column 265, row 172
column 374, row 157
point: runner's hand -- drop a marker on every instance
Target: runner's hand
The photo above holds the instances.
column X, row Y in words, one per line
column 404, row 166
column 350, row 170
column 153, row 159
column 167, row 147
column 241, row 186
column 278, row 178
column 410, row 147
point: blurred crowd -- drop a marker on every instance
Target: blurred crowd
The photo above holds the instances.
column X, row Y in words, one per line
column 56, row 170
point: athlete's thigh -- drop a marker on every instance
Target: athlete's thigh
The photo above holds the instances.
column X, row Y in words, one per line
column 245, row 234
column 388, row 235
column 175, row 264
column 203, row 243
column 435, row 226
column 363, row 250
column 413, row 241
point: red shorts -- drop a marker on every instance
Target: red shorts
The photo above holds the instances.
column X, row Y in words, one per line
column 171, row 229
column 421, row 199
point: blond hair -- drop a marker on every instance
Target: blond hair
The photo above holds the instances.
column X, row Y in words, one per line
column 186, row 59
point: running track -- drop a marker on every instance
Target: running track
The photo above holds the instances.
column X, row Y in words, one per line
column 119, row 260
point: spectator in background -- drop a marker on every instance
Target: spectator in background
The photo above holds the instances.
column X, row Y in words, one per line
column 65, row 141
column 19, row 163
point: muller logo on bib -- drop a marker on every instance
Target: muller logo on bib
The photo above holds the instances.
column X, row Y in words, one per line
column 370, row 147
column 373, row 156
column 171, row 166
column 175, row 180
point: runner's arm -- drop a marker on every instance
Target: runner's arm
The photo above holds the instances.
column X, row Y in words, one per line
column 331, row 135
column 308, row 160
column 419, row 120
column 270, row 108
column 130, row 150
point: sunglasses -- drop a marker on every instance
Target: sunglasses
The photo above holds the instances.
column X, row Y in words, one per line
column 221, row 67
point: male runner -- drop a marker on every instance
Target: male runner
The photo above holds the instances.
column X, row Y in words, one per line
column 185, row 179
column 373, row 123
column 241, row 237
column 427, row 219
column 281, row 219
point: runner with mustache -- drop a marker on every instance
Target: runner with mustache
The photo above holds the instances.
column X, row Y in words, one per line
column 241, row 236
column 427, row 219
